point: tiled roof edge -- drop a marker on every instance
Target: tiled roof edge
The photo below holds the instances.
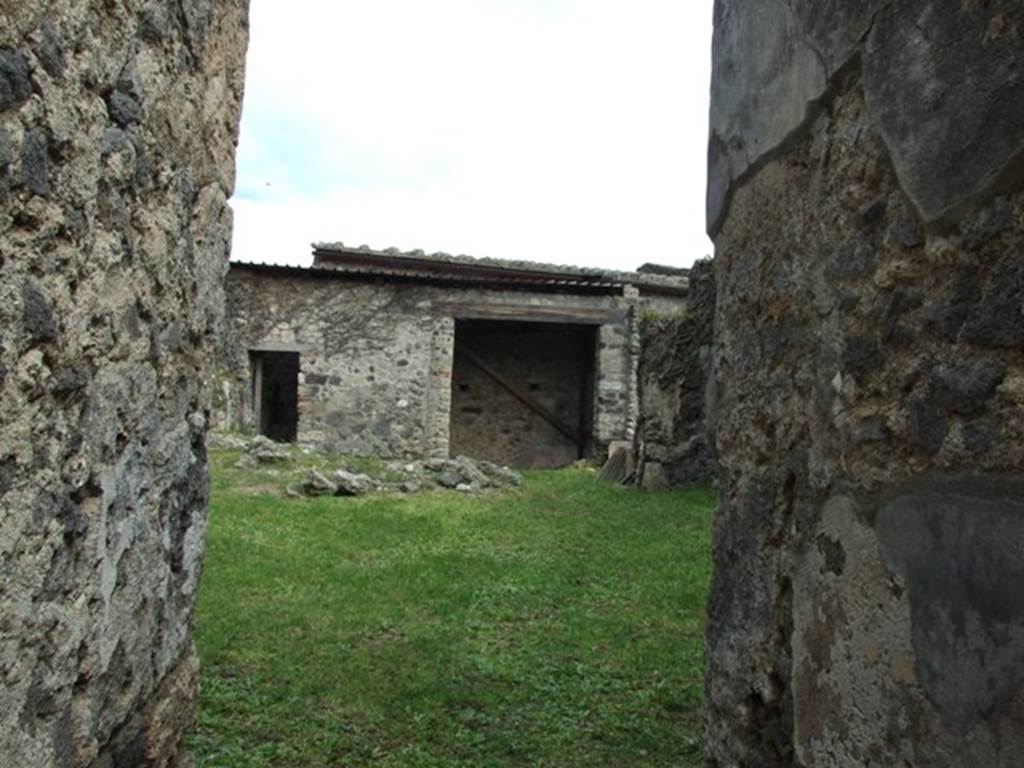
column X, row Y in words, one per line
column 512, row 266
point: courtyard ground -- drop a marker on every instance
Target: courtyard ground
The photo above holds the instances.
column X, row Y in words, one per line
column 559, row 624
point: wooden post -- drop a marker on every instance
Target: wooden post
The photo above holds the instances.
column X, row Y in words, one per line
column 256, row 361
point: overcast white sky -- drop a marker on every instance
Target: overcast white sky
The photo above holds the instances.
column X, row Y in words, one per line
column 568, row 131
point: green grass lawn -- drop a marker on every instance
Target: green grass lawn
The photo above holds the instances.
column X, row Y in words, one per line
column 559, row 624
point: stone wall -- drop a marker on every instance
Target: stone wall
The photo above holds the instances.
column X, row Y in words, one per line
column 675, row 360
column 365, row 358
column 866, row 198
column 376, row 356
column 117, row 132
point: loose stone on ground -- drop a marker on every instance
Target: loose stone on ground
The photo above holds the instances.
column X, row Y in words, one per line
column 462, row 474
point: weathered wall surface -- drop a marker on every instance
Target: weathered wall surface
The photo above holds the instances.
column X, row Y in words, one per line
column 365, row 357
column 117, row 132
column 867, row 201
column 376, row 358
column 675, row 361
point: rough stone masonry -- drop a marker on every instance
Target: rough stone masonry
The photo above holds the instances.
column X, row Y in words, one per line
column 118, row 124
column 675, row 360
column 393, row 354
column 866, row 198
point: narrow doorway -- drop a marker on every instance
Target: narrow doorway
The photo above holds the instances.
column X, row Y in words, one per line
column 275, row 394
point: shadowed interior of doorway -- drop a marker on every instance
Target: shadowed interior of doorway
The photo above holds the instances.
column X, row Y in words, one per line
column 275, row 393
column 522, row 392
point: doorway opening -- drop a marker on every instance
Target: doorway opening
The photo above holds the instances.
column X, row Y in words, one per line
column 275, row 394
column 522, row 392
